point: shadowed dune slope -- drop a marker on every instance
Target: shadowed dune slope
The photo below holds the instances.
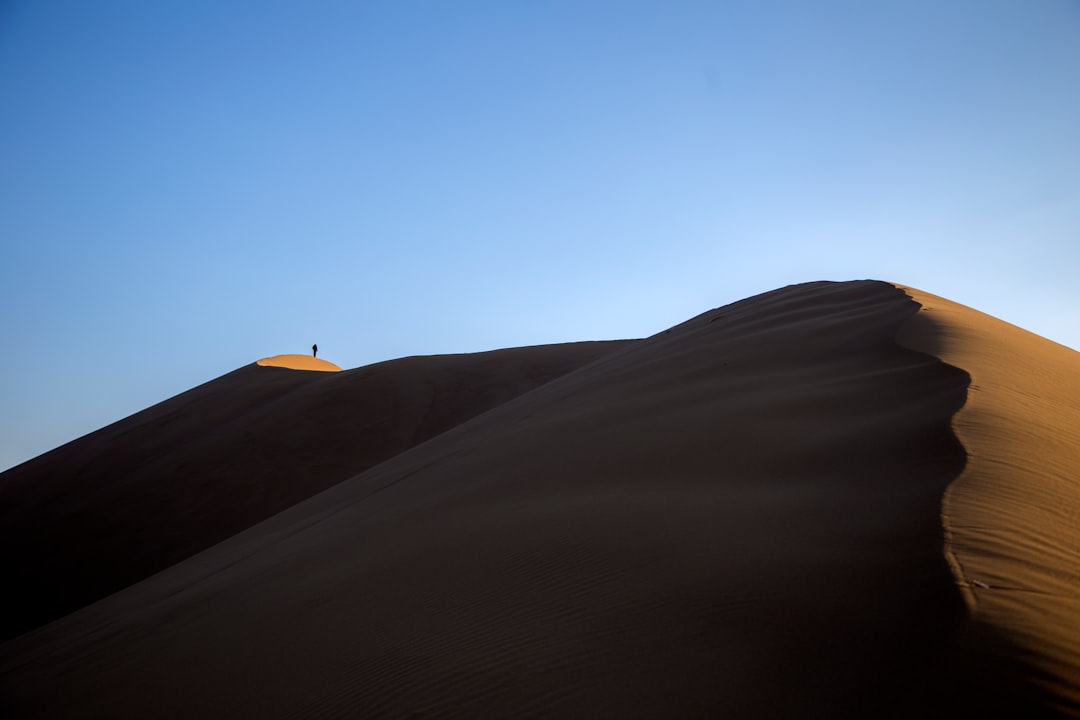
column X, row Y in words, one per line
column 133, row 498
column 738, row 517
column 1013, row 516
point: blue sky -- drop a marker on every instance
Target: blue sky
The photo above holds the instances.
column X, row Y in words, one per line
column 186, row 187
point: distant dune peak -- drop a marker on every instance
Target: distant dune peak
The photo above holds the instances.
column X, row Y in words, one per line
column 299, row 362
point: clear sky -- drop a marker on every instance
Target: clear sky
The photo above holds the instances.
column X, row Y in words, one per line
column 188, row 186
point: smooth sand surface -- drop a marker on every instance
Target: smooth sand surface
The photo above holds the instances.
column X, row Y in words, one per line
column 738, row 517
column 1013, row 516
column 122, row 503
column 299, row 362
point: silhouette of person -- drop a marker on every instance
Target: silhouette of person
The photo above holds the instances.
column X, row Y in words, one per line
column 314, row 351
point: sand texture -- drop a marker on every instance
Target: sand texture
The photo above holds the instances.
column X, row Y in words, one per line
column 299, row 362
column 1013, row 516
column 763, row 512
column 122, row 503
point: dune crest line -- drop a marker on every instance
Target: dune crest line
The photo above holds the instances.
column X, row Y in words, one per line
column 922, row 336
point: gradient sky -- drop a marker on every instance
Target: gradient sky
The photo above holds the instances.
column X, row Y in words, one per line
column 186, row 187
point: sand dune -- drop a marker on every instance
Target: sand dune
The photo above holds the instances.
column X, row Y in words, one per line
column 299, row 362
column 120, row 504
column 741, row 516
column 1012, row 515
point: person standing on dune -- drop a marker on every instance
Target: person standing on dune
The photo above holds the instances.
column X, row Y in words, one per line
column 314, row 351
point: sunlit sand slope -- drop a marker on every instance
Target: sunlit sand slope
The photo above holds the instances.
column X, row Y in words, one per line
column 299, row 362
column 115, row 506
column 739, row 517
column 1013, row 516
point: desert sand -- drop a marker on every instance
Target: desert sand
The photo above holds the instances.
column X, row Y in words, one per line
column 1011, row 517
column 792, row 506
column 299, row 362
column 133, row 498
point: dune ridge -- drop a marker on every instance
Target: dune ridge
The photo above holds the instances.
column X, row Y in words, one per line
column 739, row 515
column 104, row 511
column 1011, row 515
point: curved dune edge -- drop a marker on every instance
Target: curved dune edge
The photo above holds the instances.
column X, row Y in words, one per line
column 299, row 362
column 738, row 516
column 1012, row 517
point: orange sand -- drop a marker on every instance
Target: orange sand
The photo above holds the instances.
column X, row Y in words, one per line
column 299, row 362
column 1013, row 516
